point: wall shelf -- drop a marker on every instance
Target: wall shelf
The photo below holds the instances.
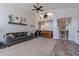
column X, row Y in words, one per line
column 16, row 23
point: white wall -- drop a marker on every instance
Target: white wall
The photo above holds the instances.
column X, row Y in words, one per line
column 72, row 12
column 6, row 10
column 66, row 12
column 47, row 26
column 78, row 25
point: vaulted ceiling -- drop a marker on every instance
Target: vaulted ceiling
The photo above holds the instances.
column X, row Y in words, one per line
column 47, row 6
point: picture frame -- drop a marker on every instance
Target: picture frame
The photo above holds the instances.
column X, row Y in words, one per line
column 17, row 20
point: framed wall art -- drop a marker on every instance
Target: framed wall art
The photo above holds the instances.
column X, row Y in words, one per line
column 17, row 20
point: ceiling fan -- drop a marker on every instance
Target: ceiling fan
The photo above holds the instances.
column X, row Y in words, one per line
column 37, row 8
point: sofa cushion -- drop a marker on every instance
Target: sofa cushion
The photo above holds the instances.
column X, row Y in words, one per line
column 28, row 33
column 10, row 35
column 18, row 38
column 25, row 33
column 14, row 34
column 20, row 34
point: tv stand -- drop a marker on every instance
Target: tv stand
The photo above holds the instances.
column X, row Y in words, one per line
column 46, row 34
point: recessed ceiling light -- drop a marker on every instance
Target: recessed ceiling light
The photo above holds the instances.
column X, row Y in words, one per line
column 50, row 14
column 41, row 16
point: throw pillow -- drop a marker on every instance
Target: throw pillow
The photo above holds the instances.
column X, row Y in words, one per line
column 28, row 33
column 11, row 35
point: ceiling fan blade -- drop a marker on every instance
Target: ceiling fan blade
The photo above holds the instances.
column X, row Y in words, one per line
column 41, row 10
column 35, row 6
column 33, row 9
column 40, row 6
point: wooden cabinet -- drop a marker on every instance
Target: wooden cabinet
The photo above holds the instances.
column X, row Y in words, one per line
column 46, row 34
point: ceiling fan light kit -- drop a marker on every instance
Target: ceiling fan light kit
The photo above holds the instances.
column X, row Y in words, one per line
column 45, row 16
column 50, row 14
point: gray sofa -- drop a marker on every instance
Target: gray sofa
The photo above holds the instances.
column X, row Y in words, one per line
column 13, row 38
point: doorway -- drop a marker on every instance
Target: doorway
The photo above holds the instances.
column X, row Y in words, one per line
column 64, row 27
